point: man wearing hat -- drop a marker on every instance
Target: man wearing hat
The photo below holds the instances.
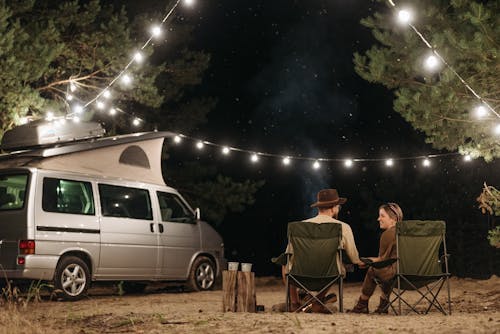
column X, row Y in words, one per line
column 328, row 204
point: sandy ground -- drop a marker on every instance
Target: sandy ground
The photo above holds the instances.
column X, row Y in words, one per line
column 475, row 307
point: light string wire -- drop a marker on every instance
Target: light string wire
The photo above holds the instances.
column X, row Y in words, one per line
column 226, row 149
column 441, row 58
column 287, row 158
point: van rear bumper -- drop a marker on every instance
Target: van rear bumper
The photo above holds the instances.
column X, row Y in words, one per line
column 39, row 267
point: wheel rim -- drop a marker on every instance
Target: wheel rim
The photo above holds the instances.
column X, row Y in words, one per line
column 73, row 280
column 205, row 276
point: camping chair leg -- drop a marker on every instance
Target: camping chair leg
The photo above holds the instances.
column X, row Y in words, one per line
column 449, row 295
column 287, row 294
column 399, row 295
column 341, row 295
column 314, row 296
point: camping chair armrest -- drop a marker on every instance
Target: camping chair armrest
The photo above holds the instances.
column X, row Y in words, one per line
column 281, row 259
column 378, row 264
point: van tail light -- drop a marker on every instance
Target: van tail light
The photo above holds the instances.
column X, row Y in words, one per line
column 26, row 247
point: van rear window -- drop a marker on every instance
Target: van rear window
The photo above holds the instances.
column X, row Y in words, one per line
column 67, row 196
column 12, row 191
column 125, row 202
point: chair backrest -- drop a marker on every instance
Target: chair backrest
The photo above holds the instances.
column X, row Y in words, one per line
column 315, row 248
column 418, row 243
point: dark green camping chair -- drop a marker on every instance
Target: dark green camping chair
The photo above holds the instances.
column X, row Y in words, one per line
column 314, row 268
column 419, row 267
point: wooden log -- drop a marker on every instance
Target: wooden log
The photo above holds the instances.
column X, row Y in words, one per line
column 245, row 299
column 229, row 279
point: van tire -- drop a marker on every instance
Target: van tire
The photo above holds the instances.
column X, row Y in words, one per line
column 72, row 278
column 202, row 275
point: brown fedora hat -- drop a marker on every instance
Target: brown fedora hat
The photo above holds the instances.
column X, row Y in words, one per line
column 327, row 198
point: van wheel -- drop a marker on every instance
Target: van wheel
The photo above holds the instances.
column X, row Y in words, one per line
column 202, row 275
column 72, row 278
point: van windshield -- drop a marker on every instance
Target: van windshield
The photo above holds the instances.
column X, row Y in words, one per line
column 12, row 191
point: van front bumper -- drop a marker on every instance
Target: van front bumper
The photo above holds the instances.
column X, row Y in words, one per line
column 39, row 267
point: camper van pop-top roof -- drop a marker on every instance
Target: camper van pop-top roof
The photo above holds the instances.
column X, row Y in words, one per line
column 134, row 156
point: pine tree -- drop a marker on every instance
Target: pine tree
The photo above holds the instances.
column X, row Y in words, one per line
column 467, row 34
column 46, row 47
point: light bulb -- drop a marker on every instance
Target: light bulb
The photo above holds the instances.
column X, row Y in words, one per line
column 177, row 139
column 405, row 16
column 481, row 111
column 254, row 158
column 138, row 57
column 286, row 161
column 316, row 165
column 389, row 162
column 432, row 62
column 136, row 121
column 200, row 145
column 426, row 163
column 106, row 94
column 225, row 150
column 348, row 163
column 156, row 31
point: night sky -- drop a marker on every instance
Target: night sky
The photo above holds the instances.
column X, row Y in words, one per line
column 283, row 74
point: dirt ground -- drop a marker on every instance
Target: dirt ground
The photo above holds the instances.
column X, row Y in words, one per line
column 475, row 307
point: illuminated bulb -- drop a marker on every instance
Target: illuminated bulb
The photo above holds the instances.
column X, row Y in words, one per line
column 62, row 121
column 254, row 158
column 177, row 139
column 389, row 162
column 78, row 109
column 126, row 79
column 156, row 31
column 106, row 94
column 69, row 97
column 112, row 111
column 348, row 163
column 76, row 119
column 497, row 129
column 316, row 165
column 426, row 163
column 50, row 116
column 405, row 16
column 199, row 145
column 136, row 122
column 286, row 161
column 188, row 2
column 23, row 120
column 432, row 62
column 467, row 158
column 100, row 105
column 225, row 150
column 138, row 57
column 481, row 111
column 72, row 86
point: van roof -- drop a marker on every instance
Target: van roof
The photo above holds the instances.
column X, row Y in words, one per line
column 135, row 156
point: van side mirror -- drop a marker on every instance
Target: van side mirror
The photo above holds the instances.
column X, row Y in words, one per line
column 197, row 213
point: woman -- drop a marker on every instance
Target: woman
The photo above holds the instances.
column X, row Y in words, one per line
column 389, row 214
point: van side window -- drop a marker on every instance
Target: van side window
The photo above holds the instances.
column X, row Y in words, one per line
column 125, row 202
column 67, row 196
column 172, row 209
column 12, row 190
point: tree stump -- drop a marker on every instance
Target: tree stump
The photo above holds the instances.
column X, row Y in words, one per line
column 245, row 300
column 229, row 290
column 238, row 291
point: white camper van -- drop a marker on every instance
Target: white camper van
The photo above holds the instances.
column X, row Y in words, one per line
column 97, row 209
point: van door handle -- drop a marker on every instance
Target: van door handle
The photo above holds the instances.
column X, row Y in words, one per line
column 152, row 227
column 161, row 227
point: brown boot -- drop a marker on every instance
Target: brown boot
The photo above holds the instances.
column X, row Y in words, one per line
column 383, row 306
column 360, row 307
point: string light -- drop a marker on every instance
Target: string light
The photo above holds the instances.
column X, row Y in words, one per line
column 138, row 57
column 112, row 111
column 156, row 31
column 254, row 158
column 126, row 79
column 348, row 163
column 426, row 163
column 200, row 145
column 286, row 161
column 316, row 165
column 405, row 16
column 432, row 63
column 225, row 150
column 177, row 139
column 50, row 116
column 136, row 122
column 481, row 111
column 467, row 158
column 389, row 162
column 497, row 129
